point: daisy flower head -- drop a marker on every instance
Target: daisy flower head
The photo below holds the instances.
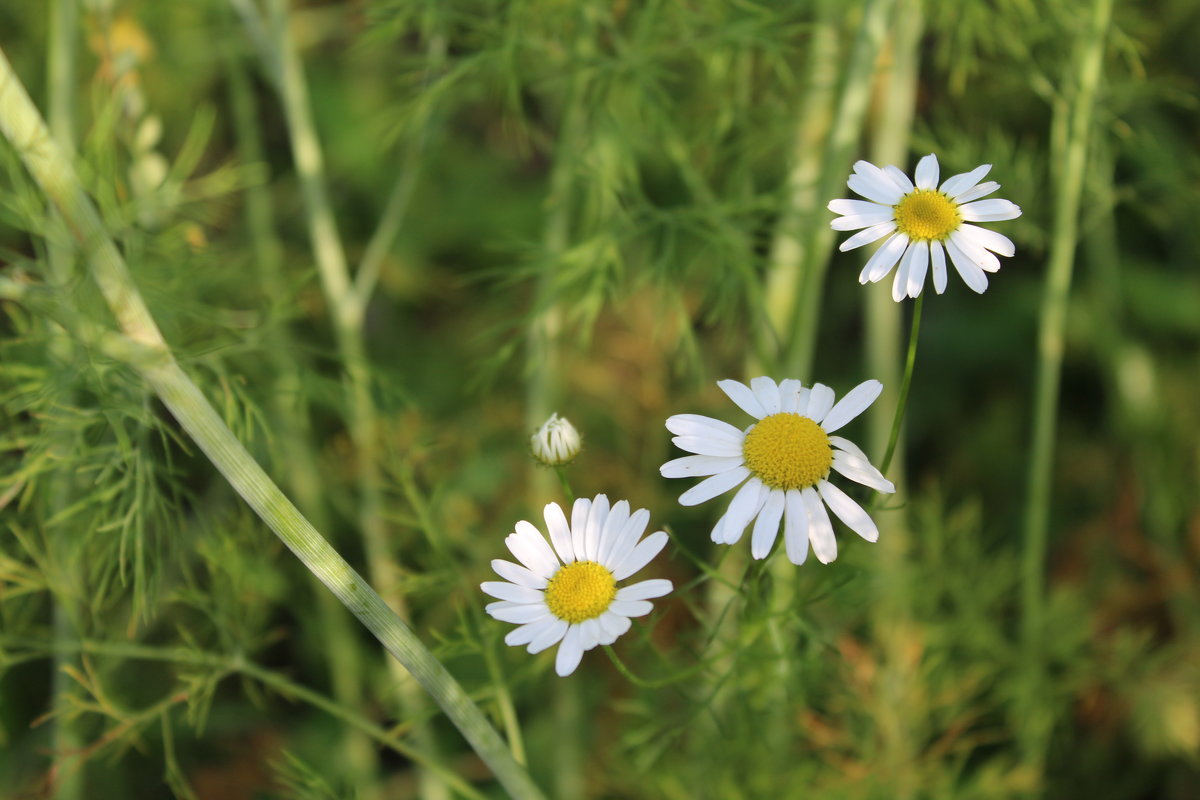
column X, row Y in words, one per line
column 782, row 463
column 924, row 222
column 567, row 594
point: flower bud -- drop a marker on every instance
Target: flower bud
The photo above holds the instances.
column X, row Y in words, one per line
column 556, row 442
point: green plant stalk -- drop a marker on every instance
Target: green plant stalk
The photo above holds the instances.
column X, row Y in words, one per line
column 783, row 270
column 291, row 414
column 809, row 153
column 25, row 130
column 889, row 145
column 348, row 307
column 803, row 316
column 60, row 69
column 1074, row 117
column 898, row 728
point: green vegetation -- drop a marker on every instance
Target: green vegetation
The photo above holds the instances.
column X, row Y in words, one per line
column 301, row 279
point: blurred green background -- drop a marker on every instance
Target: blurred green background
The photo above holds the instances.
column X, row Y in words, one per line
column 623, row 172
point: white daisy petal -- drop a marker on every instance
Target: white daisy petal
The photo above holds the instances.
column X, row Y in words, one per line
column 525, row 634
column 631, row 608
column 743, row 397
column 640, row 556
column 974, row 193
column 900, row 282
column 645, row 590
column 993, row 210
column 856, row 207
column 628, row 538
column 699, row 466
column 709, row 488
column 795, row 527
column 579, row 515
column 569, row 652
column 595, row 524
column 983, row 258
column 560, row 532
column 820, row 401
column 551, row 633
column 803, row 401
column 973, row 276
column 515, row 573
column 697, row 425
column 614, row 626
column 860, row 471
column 881, row 263
column 996, row 242
column 540, row 561
column 743, row 508
column 820, row 529
column 519, row 614
column 960, row 183
column 503, row 590
column 789, row 395
column 878, row 188
column 718, row 531
column 899, row 178
column 868, row 235
column 927, row 172
column 918, row 268
column 855, row 221
column 937, row 263
column 848, row 511
column 766, row 391
column 589, row 633
column 613, row 525
column 766, row 527
column 707, row 446
column 856, row 401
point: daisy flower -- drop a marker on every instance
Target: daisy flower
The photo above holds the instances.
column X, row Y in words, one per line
column 569, row 593
column 782, row 462
column 925, row 222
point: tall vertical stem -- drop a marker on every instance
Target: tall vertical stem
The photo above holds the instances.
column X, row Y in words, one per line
column 291, row 416
column 800, row 338
column 347, row 309
column 60, row 102
column 1074, row 118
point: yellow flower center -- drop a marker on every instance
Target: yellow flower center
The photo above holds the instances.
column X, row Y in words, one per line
column 788, row 451
column 927, row 215
column 581, row 590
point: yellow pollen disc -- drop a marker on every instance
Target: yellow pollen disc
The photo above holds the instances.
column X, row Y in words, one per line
column 581, row 590
column 926, row 215
column 788, row 451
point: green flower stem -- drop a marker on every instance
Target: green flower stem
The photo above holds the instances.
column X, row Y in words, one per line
column 800, row 332
column 1073, row 119
column 348, row 303
column 566, row 486
column 24, row 128
column 910, row 361
column 300, row 462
